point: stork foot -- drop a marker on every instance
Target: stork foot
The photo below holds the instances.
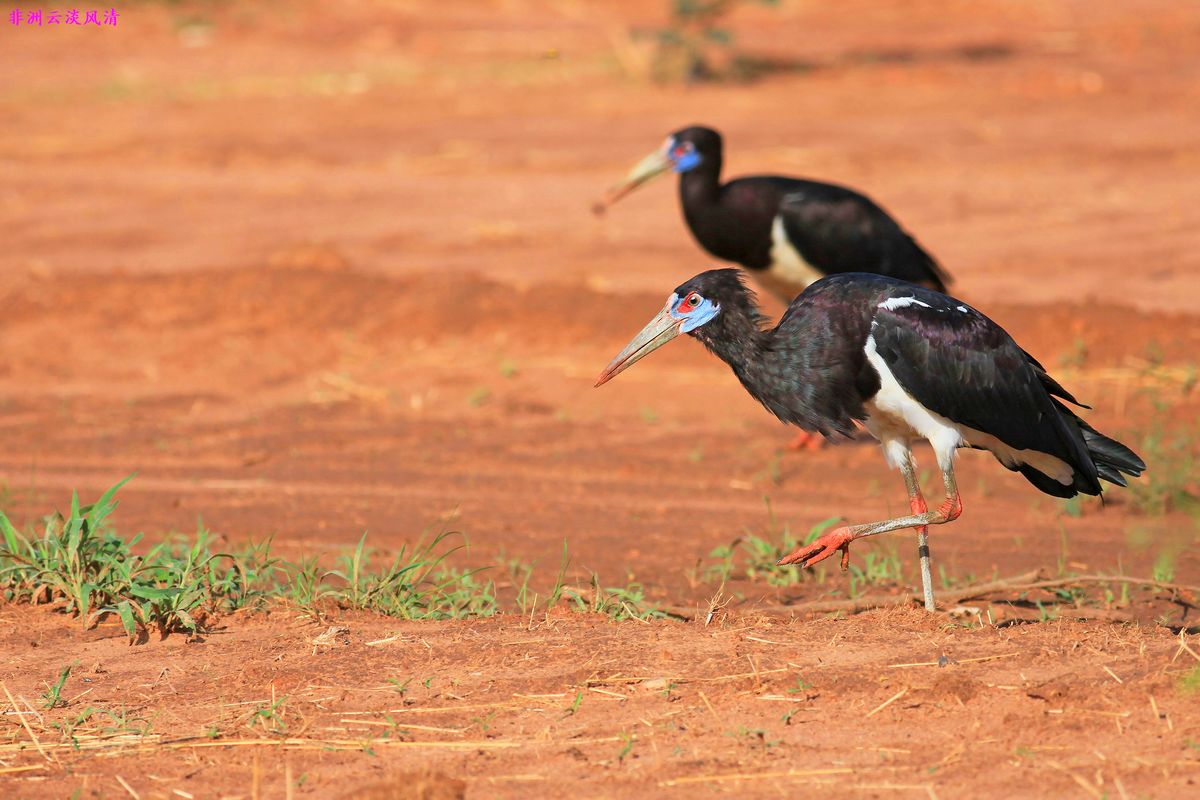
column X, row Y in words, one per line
column 806, row 440
column 821, row 549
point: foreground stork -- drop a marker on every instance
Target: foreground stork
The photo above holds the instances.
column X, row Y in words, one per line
column 908, row 363
column 787, row 232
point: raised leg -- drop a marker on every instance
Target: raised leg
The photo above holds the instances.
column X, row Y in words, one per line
column 839, row 539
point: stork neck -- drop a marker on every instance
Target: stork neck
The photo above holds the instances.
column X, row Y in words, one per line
column 740, row 345
column 773, row 369
column 736, row 338
column 701, row 186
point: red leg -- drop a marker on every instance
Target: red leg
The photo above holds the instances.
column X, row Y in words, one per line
column 952, row 507
column 805, row 440
column 839, row 539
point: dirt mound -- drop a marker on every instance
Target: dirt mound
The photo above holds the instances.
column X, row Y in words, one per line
column 297, row 317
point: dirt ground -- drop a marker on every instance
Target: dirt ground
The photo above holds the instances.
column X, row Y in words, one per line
column 314, row 271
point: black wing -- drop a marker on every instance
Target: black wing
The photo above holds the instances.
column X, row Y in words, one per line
column 839, row 230
column 958, row 363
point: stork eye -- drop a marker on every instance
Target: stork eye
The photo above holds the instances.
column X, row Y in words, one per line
column 693, row 300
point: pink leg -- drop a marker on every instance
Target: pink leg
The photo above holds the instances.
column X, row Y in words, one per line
column 806, row 440
column 839, row 539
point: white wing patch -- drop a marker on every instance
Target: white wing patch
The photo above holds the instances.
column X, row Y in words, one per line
column 894, row 416
column 897, row 303
column 894, row 303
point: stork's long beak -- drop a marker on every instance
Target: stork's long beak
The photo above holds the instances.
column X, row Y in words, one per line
column 660, row 330
column 649, row 167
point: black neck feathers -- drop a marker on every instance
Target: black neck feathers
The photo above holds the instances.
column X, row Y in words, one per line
column 810, row 370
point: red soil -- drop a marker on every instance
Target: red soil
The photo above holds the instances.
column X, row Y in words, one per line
column 311, row 272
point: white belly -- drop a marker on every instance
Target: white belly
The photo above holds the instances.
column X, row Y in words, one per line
column 788, row 273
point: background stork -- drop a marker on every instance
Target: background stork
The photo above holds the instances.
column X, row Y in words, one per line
column 787, row 232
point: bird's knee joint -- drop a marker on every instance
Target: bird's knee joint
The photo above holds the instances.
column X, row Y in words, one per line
column 951, row 509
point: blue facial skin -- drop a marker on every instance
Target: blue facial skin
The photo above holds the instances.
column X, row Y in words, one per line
column 689, row 160
column 695, row 316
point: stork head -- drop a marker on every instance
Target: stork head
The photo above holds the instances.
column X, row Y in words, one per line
column 683, row 151
column 696, row 307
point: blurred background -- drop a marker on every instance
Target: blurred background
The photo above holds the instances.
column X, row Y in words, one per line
column 315, row 269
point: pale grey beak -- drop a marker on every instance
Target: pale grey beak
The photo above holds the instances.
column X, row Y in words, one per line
column 648, row 168
column 660, row 330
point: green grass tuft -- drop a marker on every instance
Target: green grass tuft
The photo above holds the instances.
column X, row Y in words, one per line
column 759, row 554
column 53, row 693
column 89, row 571
column 627, row 602
column 83, row 568
column 881, row 567
column 80, row 565
column 417, row 585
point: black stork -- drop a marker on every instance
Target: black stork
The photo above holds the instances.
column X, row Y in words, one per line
column 908, row 363
column 787, row 232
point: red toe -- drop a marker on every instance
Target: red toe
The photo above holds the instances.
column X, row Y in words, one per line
column 836, row 540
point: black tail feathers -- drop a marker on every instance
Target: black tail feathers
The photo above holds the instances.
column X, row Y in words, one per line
column 1113, row 460
column 1093, row 456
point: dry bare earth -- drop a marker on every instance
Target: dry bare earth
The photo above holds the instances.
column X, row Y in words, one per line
column 748, row 707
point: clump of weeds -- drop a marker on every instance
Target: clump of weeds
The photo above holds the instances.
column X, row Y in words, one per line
column 79, row 565
column 758, row 556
